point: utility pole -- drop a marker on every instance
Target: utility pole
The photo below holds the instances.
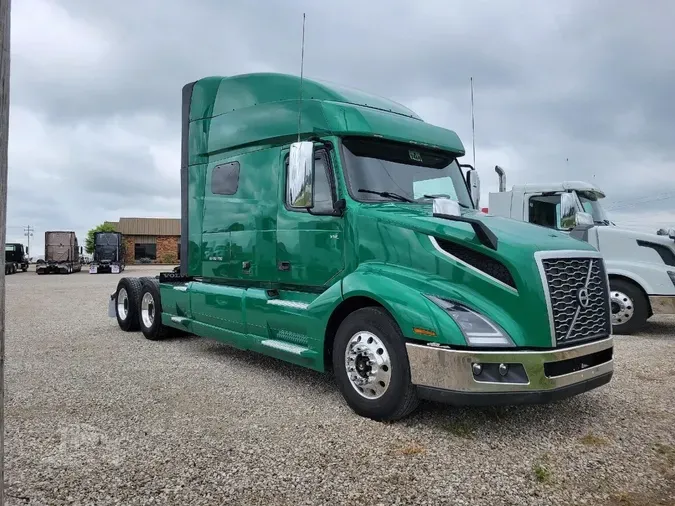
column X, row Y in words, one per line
column 28, row 232
column 5, row 8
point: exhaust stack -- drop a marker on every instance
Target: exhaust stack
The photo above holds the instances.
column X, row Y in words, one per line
column 502, row 178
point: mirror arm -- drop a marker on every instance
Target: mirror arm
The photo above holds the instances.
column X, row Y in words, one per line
column 326, row 144
column 484, row 234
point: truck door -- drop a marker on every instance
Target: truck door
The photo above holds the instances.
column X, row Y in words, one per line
column 310, row 246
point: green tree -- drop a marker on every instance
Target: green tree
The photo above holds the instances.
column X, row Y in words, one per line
column 89, row 243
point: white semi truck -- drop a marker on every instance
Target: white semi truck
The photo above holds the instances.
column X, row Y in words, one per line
column 640, row 266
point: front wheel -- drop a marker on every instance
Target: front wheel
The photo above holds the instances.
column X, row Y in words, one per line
column 371, row 366
column 630, row 308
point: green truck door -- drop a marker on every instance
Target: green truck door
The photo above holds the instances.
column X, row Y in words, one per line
column 310, row 247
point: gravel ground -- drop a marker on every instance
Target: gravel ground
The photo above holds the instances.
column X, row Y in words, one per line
column 98, row 416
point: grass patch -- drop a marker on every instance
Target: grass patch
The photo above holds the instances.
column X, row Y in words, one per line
column 459, row 429
column 542, row 472
column 591, row 439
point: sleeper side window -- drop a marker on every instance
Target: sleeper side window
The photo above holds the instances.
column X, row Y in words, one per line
column 225, row 179
column 544, row 210
column 323, row 190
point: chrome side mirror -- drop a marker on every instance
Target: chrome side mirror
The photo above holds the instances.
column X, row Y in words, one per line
column 445, row 206
column 570, row 216
column 568, row 210
column 474, row 186
column 300, row 185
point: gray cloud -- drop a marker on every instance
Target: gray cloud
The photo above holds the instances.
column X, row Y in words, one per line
column 96, row 90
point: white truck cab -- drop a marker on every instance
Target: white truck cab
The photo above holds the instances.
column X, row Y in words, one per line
column 640, row 266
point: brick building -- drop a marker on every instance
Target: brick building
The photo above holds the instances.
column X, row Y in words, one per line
column 156, row 239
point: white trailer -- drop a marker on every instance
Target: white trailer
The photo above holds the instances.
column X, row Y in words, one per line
column 640, row 266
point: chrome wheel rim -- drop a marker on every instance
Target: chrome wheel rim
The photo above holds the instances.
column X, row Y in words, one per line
column 368, row 365
column 148, row 309
column 622, row 307
column 122, row 303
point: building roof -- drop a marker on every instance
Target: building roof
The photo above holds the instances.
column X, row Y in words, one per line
column 148, row 226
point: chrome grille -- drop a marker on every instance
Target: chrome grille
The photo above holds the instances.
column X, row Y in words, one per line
column 579, row 300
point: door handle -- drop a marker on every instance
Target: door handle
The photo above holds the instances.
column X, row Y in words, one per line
column 284, row 266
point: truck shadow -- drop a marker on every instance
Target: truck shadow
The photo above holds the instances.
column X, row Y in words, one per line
column 660, row 329
column 564, row 417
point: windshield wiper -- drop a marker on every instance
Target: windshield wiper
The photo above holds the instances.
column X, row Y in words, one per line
column 443, row 195
column 387, row 195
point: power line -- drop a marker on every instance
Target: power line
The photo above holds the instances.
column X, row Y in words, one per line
column 621, row 204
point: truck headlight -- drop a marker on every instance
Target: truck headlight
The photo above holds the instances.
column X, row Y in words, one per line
column 478, row 330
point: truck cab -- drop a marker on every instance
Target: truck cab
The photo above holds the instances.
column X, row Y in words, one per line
column 16, row 257
column 337, row 230
column 640, row 266
column 108, row 254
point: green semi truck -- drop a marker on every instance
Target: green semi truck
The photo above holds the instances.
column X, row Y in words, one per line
column 337, row 230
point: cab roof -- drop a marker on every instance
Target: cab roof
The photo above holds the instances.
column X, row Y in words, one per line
column 558, row 186
column 230, row 112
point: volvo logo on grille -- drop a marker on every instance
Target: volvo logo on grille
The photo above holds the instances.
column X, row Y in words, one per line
column 582, row 297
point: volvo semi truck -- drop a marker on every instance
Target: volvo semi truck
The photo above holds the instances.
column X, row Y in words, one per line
column 108, row 253
column 16, row 258
column 62, row 253
column 640, row 266
column 338, row 231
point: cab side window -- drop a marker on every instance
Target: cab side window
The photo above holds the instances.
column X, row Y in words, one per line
column 323, row 190
column 544, row 210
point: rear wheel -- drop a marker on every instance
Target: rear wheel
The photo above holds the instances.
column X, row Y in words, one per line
column 371, row 366
column 150, row 311
column 630, row 308
column 127, row 298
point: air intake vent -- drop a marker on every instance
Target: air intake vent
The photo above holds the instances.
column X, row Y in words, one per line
column 488, row 265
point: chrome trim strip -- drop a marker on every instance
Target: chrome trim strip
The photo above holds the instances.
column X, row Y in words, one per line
column 288, row 303
column 284, row 346
column 539, row 256
column 180, row 288
column 449, row 369
column 438, row 248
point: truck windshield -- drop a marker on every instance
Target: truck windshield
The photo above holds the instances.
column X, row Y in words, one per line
column 592, row 205
column 383, row 171
column 9, row 247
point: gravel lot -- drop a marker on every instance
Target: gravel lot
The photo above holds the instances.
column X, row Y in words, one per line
column 98, row 416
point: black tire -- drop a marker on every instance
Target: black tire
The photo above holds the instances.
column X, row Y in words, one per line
column 400, row 395
column 150, row 312
column 132, row 291
column 630, row 307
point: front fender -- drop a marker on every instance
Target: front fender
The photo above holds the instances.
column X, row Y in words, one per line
column 653, row 279
column 401, row 292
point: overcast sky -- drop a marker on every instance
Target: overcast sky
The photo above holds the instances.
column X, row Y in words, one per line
column 95, row 91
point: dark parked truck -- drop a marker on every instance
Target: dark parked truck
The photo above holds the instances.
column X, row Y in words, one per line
column 62, row 254
column 16, row 258
column 339, row 232
column 108, row 253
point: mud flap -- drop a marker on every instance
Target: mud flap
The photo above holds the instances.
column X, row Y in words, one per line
column 111, row 307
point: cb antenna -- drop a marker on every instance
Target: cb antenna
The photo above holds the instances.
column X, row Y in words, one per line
column 302, row 65
column 473, row 128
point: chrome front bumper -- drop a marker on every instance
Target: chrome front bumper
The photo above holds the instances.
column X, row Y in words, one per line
column 532, row 376
column 662, row 304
